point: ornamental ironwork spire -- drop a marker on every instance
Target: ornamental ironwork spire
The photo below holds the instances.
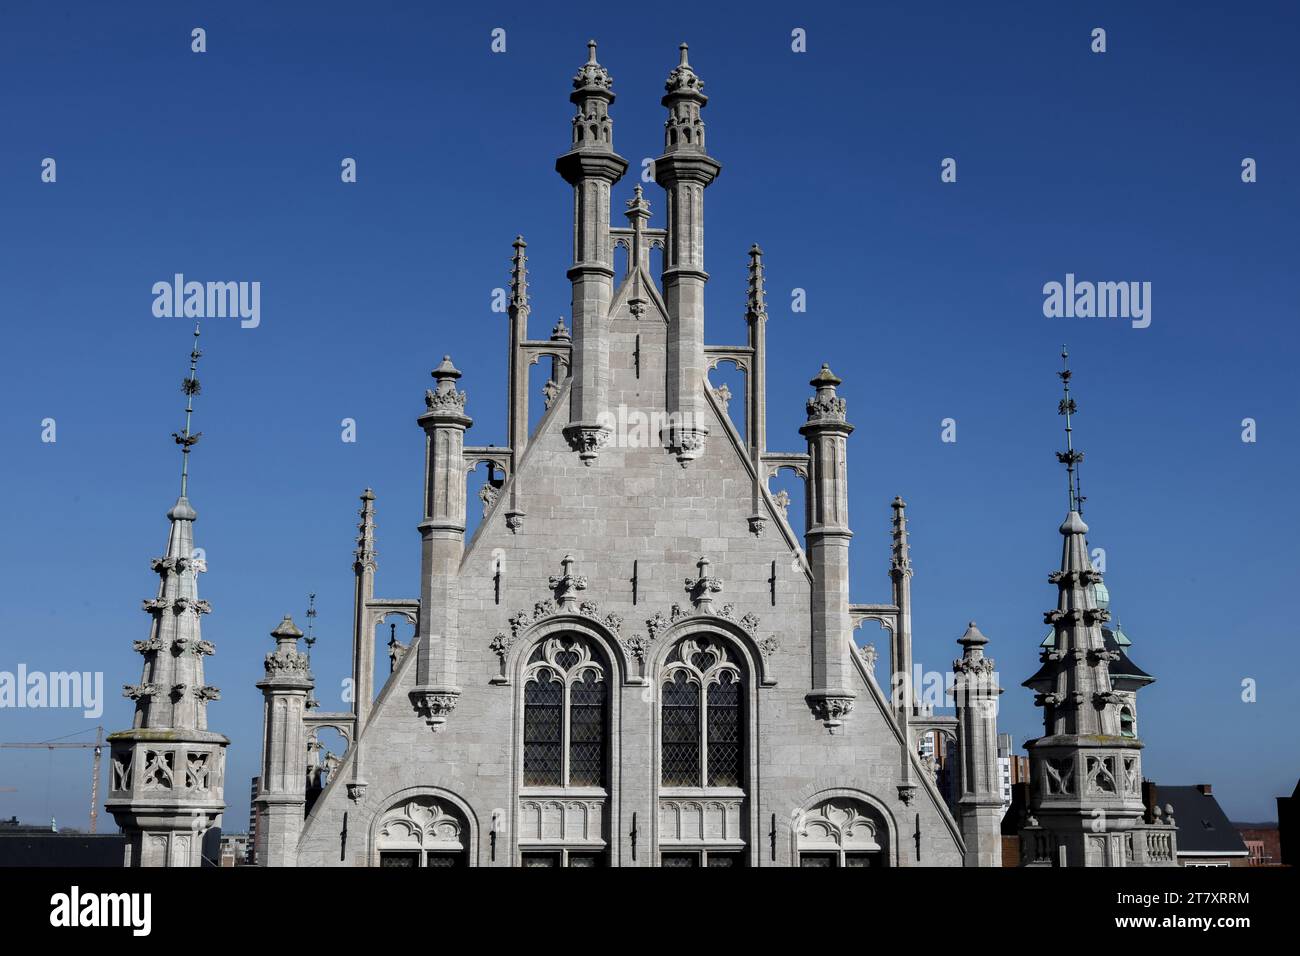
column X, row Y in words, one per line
column 190, row 387
column 1070, row 458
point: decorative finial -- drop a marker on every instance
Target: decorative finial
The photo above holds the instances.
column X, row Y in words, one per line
column 757, row 291
column 1070, row 458
column 191, row 388
column 683, row 48
column 900, row 552
column 519, row 276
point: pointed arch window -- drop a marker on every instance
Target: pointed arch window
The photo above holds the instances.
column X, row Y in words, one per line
column 702, row 716
column 1127, row 725
column 566, row 715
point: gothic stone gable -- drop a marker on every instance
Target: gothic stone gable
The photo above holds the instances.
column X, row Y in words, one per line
column 635, row 504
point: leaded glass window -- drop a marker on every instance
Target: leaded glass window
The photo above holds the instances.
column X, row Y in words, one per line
column 587, row 731
column 702, row 716
column 543, row 729
column 724, row 732
column 565, row 715
column 681, row 731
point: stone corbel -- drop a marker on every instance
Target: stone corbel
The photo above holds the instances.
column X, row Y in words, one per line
column 435, row 704
column 831, row 707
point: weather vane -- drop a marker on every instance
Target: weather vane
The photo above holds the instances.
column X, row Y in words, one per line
column 310, row 639
column 1070, row 458
column 191, row 388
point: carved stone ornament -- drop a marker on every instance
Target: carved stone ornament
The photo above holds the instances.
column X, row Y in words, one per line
column 702, row 587
column 831, row 709
column 357, row 791
column 587, row 440
column 435, row 705
column 567, row 584
column 285, row 661
column 139, row 691
column 973, row 666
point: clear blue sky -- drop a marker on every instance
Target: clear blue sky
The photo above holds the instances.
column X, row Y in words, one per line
column 925, row 297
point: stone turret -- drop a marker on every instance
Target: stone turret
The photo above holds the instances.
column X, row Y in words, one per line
column 168, row 770
column 442, row 534
column 684, row 171
column 979, row 790
column 282, row 794
column 828, row 538
column 591, row 167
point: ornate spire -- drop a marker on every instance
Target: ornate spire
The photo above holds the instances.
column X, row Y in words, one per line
column 519, row 278
column 190, row 386
column 593, row 91
column 684, row 130
column 756, row 295
column 1070, row 458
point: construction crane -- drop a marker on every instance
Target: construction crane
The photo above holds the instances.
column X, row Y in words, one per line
column 97, row 746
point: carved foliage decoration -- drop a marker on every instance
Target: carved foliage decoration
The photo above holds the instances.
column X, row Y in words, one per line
column 840, row 823
column 421, row 822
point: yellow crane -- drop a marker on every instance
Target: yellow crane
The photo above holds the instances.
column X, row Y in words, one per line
column 97, row 746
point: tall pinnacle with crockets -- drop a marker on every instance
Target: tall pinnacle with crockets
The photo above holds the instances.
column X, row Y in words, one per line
column 167, row 770
column 591, row 167
column 685, row 170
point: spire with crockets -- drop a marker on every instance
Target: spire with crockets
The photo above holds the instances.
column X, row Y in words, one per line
column 166, row 787
column 1086, row 767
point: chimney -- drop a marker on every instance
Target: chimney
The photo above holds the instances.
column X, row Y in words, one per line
column 1204, row 789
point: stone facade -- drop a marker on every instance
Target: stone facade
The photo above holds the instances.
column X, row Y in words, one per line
column 633, row 662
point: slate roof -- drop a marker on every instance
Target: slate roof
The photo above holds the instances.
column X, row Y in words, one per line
column 1203, row 827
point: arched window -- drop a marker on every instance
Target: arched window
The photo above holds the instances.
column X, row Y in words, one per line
column 1127, row 726
column 565, row 715
column 702, row 716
